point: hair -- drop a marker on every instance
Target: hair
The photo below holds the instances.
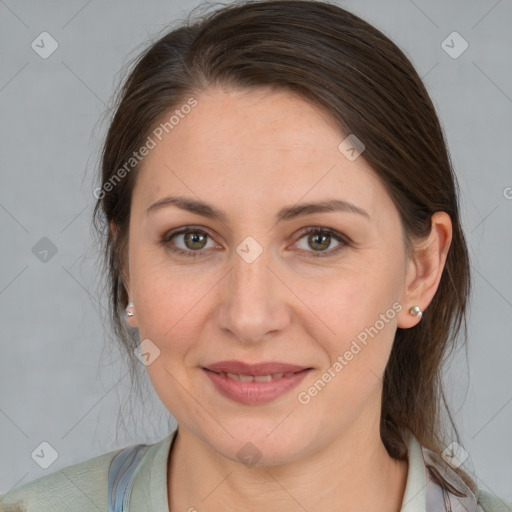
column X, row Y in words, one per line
column 365, row 83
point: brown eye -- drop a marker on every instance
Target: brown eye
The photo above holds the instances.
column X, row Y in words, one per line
column 195, row 240
column 319, row 240
column 187, row 242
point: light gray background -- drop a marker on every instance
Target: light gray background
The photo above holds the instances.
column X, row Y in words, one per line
column 62, row 379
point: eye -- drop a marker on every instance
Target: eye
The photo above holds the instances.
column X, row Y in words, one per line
column 190, row 241
column 193, row 240
column 319, row 239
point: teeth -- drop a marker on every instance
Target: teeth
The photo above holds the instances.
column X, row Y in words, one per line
column 263, row 378
column 257, row 378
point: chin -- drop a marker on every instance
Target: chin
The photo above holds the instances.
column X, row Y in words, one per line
column 261, row 442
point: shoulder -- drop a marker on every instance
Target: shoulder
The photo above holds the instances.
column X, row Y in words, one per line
column 444, row 488
column 491, row 503
column 80, row 486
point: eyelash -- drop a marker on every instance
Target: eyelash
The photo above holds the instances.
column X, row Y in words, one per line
column 342, row 239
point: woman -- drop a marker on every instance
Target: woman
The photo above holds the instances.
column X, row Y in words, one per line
column 282, row 234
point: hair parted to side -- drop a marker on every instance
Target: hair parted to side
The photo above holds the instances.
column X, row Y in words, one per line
column 354, row 73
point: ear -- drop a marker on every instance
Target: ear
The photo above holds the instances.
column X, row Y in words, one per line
column 425, row 268
column 125, row 277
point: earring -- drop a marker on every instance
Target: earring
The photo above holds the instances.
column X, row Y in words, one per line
column 129, row 311
column 415, row 311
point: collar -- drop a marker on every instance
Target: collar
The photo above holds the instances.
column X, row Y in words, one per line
column 423, row 492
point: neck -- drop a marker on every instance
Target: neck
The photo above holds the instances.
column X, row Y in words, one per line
column 353, row 473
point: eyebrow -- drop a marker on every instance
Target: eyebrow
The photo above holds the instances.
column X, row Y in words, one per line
column 287, row 213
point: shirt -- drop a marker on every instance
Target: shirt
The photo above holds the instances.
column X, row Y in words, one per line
column 134, row 479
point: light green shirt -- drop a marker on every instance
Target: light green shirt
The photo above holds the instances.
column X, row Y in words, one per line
column 83, row 486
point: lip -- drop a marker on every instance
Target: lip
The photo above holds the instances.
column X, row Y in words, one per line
column 255, row 392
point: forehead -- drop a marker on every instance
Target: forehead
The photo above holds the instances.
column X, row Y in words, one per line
column 249, row 147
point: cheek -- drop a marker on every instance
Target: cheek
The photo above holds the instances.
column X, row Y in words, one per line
column 354, row 299
column 356, row 317
column 358, row 321
column 170, row 312
column 168, row 303
column 167, row 296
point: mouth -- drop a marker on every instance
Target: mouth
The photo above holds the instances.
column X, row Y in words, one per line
column 254, row 384
column 256, row 370
column 255, row 378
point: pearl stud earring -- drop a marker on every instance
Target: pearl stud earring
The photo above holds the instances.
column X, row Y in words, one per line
column 129, row 311
column 415, row 311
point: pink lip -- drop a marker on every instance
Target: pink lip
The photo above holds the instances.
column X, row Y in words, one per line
column 254, row 392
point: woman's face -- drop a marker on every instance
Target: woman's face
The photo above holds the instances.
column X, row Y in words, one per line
column 253, row 286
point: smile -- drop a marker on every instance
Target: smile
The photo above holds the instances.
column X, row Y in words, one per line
column 256, row 378
column 253, row 389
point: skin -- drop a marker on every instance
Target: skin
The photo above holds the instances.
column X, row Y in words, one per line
column 249, row 154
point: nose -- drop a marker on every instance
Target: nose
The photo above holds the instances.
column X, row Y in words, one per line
column 254, row 305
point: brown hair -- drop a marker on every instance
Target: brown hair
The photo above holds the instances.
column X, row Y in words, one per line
column 351, row 70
